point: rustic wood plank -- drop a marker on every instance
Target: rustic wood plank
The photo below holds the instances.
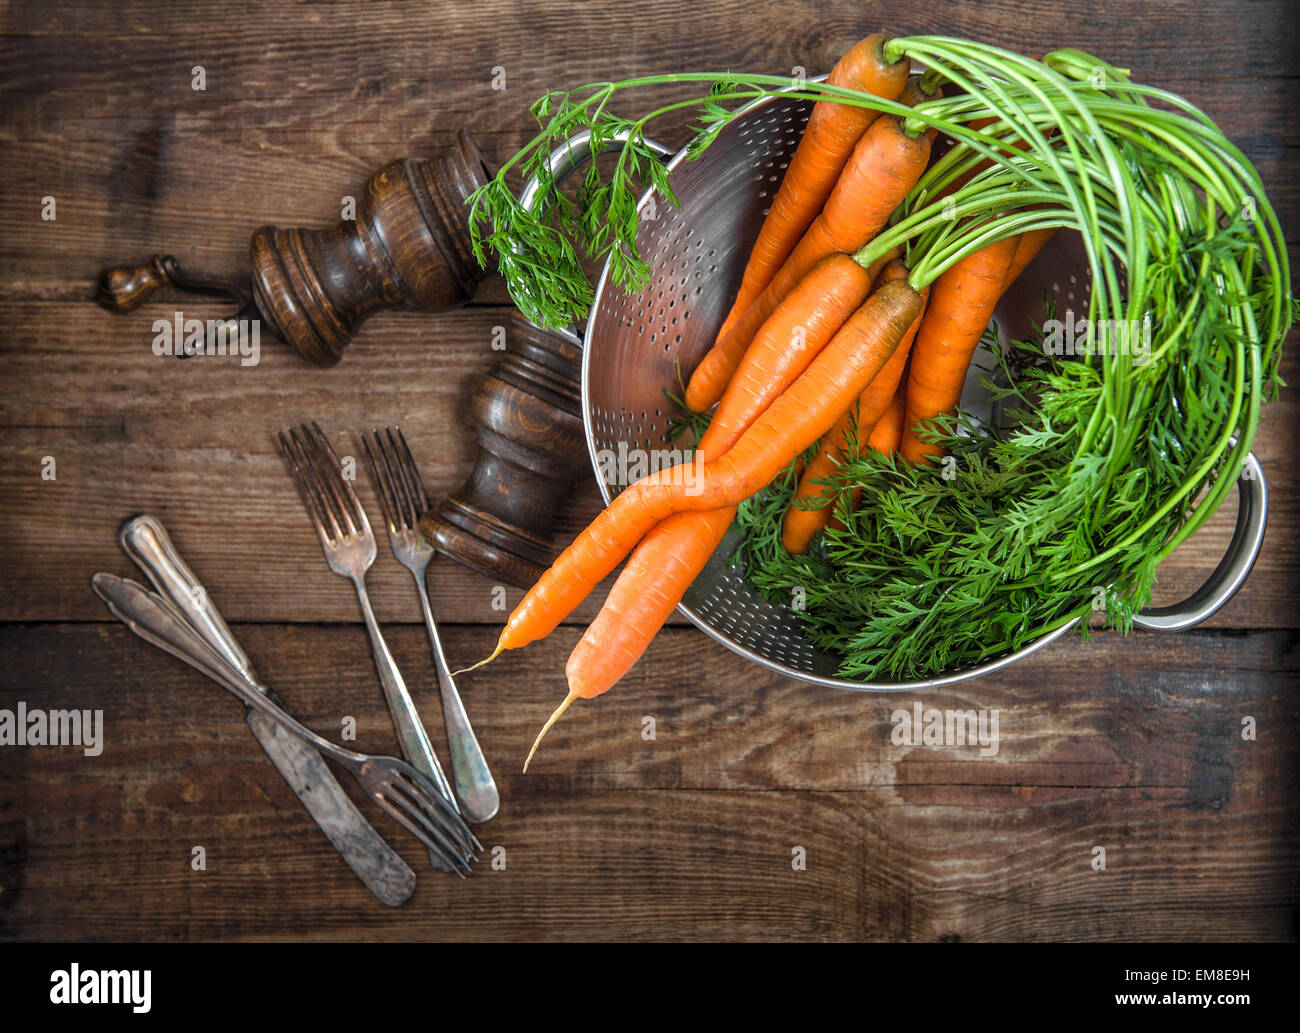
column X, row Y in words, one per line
column 132, row 432
column 193, row 442
column 1131, row 745
column 302, row 105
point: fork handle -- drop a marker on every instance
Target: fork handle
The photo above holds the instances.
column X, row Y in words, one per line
column 159, row 623
column 145, row 540
column 480, row 800
column 411, row 736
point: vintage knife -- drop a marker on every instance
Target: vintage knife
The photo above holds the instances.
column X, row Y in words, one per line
column 375, row 863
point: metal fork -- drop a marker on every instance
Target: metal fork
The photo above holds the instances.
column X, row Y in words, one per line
column 403, row 498
column 404, row 793
column 349, row 548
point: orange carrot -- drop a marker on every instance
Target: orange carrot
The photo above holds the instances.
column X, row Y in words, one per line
column 798, row 417
column 669, row 558
column 801, row 325
column 652, row 583
column 913, row 94
column 884, row 166
column 801, row 524
column 961, row 304
column 1027, row 247
column 832, row 131
column 888, row 434
column 885, row 438
column 877, row 268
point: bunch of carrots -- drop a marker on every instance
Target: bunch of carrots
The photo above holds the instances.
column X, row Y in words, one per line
column 870, row 285
column 818, row 346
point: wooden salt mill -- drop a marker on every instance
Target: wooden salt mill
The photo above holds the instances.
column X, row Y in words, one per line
column 409, row 246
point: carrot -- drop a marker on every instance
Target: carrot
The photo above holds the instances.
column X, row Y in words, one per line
column 888, row 433
column 884, row 166
column 913, row 94
column 798, row 329
column 1027, row 247
column 961, row 304
column 662, row 567
column 669, row 559
column 885, row 438
column 832, row 131
column 801, row 524
column 797, row 418
column 874, row 401
column 876, row 268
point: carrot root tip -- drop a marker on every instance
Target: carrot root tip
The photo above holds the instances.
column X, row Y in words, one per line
column 474, row 667
column 568, row 701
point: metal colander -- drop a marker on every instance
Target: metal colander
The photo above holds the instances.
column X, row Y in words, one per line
column 635, row 345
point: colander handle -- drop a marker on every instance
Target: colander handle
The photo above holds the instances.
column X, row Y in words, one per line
column 1233, row 569
column 573, row 154
column 576, row 152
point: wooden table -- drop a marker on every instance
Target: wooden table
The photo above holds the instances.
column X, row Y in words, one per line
column 1133, row 745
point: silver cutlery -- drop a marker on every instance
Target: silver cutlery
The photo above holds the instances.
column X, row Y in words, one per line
column 349, row 547
column 403, row 499
column 399, row 789
column 375, row 863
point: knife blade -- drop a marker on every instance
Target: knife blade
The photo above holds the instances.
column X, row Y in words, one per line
column 367, row 853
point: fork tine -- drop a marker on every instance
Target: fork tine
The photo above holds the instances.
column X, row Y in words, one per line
column 328, row 478
column 408, row 464
column 308, row 467
column 393, row 480
column 347, row 498
column 386, row 502
column 402, row 794
column 433, row 803
column 448, row 849
column 305, row 490
column 409, row 489
column 417, row 829
column 432, row 800
column 421, row 802
column 402, row 490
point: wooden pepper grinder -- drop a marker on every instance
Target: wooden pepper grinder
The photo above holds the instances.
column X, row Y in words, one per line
column 531, row 450
column 408, row 246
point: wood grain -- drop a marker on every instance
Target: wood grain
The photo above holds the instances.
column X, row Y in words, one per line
column 302, row 105
column 1131, row 745
column 192, row 441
